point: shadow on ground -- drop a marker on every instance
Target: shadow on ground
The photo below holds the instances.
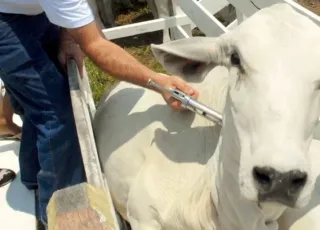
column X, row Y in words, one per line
column 19, row 197
column 11, row 146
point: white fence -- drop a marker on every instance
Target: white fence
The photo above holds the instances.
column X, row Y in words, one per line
column 200, row 14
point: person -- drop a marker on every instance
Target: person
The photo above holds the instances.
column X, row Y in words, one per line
column 8, row 131
column 37, row 37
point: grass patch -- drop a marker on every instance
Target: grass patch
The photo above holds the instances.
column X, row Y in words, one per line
column 101, row 81
column 134, row 15
column 144, row 55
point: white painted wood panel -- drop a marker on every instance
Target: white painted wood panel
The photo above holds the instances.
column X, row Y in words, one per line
column 146, row 27
column 214, row 6
column 204, row 20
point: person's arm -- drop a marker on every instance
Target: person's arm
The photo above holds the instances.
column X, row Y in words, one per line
column 81, row 29
column 119, row 63
column 110, row 57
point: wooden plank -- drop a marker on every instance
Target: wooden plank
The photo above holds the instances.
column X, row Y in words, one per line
column 204, row 20
column 146, row 27
column 87, row 93
column 183, row 31
column 84, row 129
column 81, row 207
column 85, row 134
column 181, row 19
column 179, row 33
column 212, row 6
column 203, row 10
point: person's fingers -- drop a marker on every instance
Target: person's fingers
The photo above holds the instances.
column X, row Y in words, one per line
column 195, row 94
column 175, row 82
column 175, row 104
column 63, row 61
column 172, row 102
column 184, row 87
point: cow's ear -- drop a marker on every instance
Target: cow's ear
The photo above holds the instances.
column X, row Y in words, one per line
column 190, row 58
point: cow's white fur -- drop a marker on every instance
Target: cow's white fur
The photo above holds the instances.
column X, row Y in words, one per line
column 170, row 170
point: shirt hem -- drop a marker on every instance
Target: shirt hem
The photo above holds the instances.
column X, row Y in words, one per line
column 74, row 24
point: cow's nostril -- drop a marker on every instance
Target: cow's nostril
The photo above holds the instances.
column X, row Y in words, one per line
column 278, row 186
column 298, row 179
column 264, row 176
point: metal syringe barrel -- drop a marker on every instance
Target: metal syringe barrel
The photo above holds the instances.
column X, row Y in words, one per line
column 195, row 106
column 191, row 104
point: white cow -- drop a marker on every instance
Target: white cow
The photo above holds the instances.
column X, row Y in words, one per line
column 177, row 171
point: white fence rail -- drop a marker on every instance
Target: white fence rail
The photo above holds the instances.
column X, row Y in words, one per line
column 178, row 21
column 199, row 14
column 203, row 18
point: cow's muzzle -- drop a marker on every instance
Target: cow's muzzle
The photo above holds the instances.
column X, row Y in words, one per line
column 279, row 187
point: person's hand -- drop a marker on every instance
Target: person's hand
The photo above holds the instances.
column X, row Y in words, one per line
column 175, row 82
column 70, row 49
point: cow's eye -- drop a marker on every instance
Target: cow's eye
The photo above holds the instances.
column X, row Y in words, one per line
column 235, row 60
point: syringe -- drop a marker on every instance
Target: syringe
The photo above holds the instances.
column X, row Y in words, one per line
column 190, row 103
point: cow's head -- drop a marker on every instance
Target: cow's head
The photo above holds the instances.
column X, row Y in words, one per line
column 273, row 101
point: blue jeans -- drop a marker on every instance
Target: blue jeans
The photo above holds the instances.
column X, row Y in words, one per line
column 49, row 157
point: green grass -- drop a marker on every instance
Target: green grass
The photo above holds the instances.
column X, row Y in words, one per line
column 101, row 81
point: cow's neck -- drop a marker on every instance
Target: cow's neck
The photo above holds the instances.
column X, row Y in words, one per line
column 224, row 168
column 194, row 209
column 234, row 212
